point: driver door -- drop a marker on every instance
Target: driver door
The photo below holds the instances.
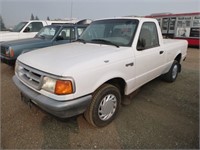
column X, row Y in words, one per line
column 31, row 30
column 149, row 55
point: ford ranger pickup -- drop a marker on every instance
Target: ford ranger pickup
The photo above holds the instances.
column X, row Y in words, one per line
column 112, row 58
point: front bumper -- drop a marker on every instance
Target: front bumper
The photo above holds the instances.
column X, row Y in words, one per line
column 8, row 61
column 61, row 109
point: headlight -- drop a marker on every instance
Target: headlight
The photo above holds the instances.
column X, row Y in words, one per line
column 18, row 68
column 10, row 52
column 59, row 87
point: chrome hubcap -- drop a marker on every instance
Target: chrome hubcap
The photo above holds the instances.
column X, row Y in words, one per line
column 174, row 71
column 107, row 107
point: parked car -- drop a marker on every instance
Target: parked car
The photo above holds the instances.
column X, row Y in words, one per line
column 47, row 36
column 113, row 58
column 27, row 29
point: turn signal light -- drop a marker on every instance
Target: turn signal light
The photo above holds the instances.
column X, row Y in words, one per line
column 63, row 87
column 12, row 53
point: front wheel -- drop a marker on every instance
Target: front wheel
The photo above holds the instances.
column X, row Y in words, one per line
column 104, row 106
column 172, row 74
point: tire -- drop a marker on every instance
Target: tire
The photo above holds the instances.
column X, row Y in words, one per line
column 172, row 74
column 104, row 107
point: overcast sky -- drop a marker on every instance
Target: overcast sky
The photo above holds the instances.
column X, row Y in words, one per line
column 14, row 11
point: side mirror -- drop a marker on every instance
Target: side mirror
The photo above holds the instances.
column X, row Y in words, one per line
column 141, row 44
column 58, row 38
column 27, row 29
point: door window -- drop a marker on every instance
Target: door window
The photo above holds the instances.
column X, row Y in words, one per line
column 80, row 30
column 34, row 27
column 148, row 36
column 67, row 34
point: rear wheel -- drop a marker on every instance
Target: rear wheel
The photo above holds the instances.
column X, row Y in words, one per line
column 104, row 106
column 172, row 74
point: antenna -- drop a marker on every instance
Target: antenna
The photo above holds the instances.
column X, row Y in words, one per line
column 71, row 7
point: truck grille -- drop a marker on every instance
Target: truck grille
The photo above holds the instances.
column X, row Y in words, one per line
column 3, row 49
column 29, row 75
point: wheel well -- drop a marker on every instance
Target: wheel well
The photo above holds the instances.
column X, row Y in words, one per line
column 178, row 58
column 119, row 83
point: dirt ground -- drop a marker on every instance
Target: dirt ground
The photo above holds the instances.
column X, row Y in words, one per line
column 162, row 115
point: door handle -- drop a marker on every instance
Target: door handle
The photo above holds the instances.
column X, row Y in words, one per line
column 130, row 64
column 161, row 52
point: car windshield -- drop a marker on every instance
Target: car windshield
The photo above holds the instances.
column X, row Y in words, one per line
column 19, row 27
column 116, row 32
column 47, row 32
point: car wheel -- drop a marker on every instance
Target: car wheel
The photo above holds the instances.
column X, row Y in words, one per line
column 172, row 74
column 104, row 106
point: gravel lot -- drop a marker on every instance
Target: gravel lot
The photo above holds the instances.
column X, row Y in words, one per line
column 162, row 115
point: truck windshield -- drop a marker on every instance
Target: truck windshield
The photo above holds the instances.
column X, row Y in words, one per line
column 47, row 32
column 19, row 27
column 116, row 32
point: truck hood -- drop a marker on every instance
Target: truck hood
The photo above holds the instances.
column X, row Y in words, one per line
column 65, row 59
column 2, row 32
column 26, row 43
column 6, row 35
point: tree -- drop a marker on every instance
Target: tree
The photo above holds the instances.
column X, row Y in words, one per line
column 36, row 18
column 2, row 25
column 32, row 17
column 48, row 18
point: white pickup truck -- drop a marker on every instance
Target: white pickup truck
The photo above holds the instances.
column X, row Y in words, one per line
column 26, row 29
column 112, row 59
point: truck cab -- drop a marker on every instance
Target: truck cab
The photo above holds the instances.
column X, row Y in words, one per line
column 27, row 29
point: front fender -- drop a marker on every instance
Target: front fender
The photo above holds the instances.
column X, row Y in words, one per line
column 87, row 83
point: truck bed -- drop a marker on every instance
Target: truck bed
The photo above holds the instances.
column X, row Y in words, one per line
column 167, row 41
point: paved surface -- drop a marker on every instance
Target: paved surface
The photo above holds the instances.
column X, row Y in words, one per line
column 161, row 115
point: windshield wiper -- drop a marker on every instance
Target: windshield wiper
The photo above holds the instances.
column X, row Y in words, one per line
column 105, row 42
column 42, row 36
column 81, row 40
